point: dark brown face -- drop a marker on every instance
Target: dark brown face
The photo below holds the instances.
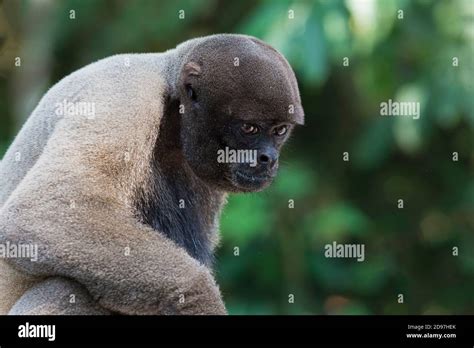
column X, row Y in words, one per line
column 259, row 142
column 237, row 117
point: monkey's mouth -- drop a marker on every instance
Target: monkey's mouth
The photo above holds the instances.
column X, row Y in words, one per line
column 250, row 182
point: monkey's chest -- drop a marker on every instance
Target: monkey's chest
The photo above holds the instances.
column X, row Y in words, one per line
column 182, row 223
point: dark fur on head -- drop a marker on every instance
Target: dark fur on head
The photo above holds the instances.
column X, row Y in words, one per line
column 228, row 85
column 228, row 81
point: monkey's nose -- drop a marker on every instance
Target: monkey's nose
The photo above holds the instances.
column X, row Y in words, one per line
column 268, row 157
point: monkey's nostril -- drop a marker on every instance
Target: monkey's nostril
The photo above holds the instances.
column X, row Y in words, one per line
column 264, row 158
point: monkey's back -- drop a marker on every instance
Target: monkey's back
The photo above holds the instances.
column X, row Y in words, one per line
column 126, row 94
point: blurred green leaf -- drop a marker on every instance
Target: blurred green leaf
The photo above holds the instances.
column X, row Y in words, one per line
column 338, row 221
column 245, row 217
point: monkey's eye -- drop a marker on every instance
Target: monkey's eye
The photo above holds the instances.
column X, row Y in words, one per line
column 248, row 128
column 191, row 93
column 281, row 130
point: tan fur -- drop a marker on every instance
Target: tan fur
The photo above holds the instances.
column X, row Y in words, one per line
column 13, row 284
column 56, row 296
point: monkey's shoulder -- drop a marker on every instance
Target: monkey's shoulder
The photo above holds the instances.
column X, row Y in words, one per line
column 114, row 98
column 123, row 75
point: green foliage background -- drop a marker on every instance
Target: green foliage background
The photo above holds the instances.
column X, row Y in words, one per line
column 409, row 251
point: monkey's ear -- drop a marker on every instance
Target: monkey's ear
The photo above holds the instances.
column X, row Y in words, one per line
column 191, row 69
column 189, row 73
column 298, row 115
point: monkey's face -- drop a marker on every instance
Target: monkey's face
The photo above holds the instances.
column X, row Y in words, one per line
column 236, row 118
column 237, row 155
column 252, row 149
column 225, row 147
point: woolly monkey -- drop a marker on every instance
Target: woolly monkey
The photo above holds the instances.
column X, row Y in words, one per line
column 115, row 179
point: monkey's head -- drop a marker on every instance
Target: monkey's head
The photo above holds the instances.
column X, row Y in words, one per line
column 240, row 103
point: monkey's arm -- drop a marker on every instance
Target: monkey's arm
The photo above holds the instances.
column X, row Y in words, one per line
column 57, row 296
column 126, row 266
